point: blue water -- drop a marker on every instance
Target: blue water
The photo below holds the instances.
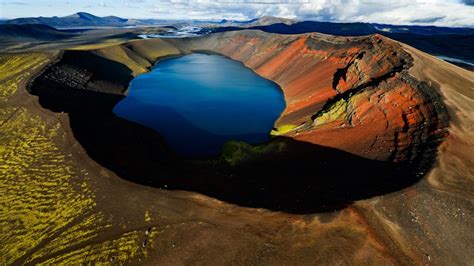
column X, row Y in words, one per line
column 198, row 102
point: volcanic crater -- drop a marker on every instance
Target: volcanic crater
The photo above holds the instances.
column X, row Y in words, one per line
column 356, row 123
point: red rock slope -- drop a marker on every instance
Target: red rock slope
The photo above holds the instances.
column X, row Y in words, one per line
column 352, row 94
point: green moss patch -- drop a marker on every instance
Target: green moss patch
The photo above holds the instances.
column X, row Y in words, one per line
column 336, row 111
column 281, row 130
column 237, row 152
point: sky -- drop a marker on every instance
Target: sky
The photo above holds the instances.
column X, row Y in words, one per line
column 455, row 13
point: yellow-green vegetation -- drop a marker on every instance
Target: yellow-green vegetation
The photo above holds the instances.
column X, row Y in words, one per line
column 136, row 55
column 78, row 233
column 12, row 65
column 38, row 198
column 99, row 45
column 335, row 112
column 48, row 210
column 15, row 68
column 114, row 250
column 281, row 130
column 355, row 99
column 238, row 152
column 147, row 216
column 153, row 49
column 118, row 53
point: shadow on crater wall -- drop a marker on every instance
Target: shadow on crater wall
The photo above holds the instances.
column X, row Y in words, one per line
column 299, row 178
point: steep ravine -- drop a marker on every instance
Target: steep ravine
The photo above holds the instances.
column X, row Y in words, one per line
column 350, row 101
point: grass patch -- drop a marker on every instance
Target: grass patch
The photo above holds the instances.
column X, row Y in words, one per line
column 237, row 152
column 99, row 45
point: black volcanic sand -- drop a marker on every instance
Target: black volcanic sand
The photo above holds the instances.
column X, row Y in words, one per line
column 283, row 175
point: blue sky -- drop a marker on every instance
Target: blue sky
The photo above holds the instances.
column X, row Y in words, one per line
column 424, row 12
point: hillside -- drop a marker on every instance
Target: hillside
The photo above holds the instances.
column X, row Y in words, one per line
column 29, row 32
column 80, row 19
column 83, row 19
column 268, row 20
column 262, row 21
column 373, row 164
column 454, row 43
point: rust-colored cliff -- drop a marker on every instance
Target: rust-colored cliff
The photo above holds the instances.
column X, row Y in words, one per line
column 352, row 94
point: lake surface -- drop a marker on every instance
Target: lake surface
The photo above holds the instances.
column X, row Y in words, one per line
column 198, row 102
column 179, row 32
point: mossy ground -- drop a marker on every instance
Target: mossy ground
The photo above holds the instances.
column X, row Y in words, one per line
column 237, row 152
column 48, row 208
column 100, row 45
column 335, row 112
column 283, row 129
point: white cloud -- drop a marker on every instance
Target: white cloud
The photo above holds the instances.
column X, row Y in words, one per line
column 429, row 12
column 424, row 12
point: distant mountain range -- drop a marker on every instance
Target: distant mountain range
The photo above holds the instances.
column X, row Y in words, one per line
column 262, row 21
column 83, row 19
column 79, row 19
column 266, row 23
column 26, row 32
column 349, row 29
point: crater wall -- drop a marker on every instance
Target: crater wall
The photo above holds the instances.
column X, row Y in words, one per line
column 353, row 94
